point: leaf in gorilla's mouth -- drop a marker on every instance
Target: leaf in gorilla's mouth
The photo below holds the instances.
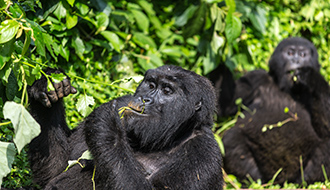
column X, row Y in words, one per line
column 131, row 108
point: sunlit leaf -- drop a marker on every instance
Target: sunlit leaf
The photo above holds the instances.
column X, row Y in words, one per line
column 71, row 21
column 141, row 20
column 87, row 155
column 58, row 77
column 233, row 27
column 7, row 156
column 83, row 104
column 8, row 30
column 113, row 39
column 26, row 128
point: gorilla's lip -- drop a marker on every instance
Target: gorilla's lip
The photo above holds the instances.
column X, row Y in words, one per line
column 136, row 108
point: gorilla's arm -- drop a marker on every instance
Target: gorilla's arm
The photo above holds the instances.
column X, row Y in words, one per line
column 116, row 167
column 50, row 150
column 193, row 165
column 311, row 83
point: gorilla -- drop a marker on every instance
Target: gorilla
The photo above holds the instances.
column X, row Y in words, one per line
column 158, row 138
column 289, row 131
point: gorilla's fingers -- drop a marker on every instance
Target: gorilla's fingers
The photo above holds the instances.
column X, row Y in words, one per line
column 43, row 98
column 73, row 90
column 52, row 96
column 59, row 89
column 66, row 87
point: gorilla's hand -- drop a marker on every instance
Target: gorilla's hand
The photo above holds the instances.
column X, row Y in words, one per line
column 39, row 91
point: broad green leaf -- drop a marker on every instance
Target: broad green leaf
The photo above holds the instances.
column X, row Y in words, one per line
column 60, row 11
column 231, row 5
column 141, row 20
column 8, row 30
column 209, row 60
column 38, row 36
column 12, row 87
column 174, row 51
column 83, row 104
column 7, row 156
column 57, row 77
column 71, row 21
column 113, row 39
column 102, row 21
column 217, row 42
column 83, row 9
column 78, row 45
column 143, row 40
column 258, row 19
column 187, row 14
column 26, row 128
column 233, row 27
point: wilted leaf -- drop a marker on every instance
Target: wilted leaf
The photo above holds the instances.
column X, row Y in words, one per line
column 83, row 104
column 26, row 128
column 7, row 156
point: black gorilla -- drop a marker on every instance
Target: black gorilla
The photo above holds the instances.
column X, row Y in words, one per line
column 162, row 140
column 294, row 82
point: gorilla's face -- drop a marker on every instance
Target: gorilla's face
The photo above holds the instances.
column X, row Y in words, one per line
column 160, row 108
column 296, row 56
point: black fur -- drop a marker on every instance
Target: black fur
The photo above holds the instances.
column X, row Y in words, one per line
column 293, row 81
column 163, row 141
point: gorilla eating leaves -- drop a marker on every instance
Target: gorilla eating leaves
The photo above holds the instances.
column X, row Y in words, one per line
column 162, row 139
column 271, row 139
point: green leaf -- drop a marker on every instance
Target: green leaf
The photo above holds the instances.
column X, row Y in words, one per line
column 8, row 30
column 7, row 156
column 144, row 41
column 233, row 27
column 113, row 39
column 187, row 14
column 71, row 2
column 6, row 50
column 102, row 21
column 83, row 104
column 38, row 36
column 71, row 21
column 57, row 77
column 60, row 11
column 26, row 128
column 78, row 45
column 141, row 20
column 196, row 22
column 83, row 9
column 231, row 5
column 27, row 42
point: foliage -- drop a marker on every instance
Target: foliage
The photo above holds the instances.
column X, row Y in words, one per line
column 106, row 46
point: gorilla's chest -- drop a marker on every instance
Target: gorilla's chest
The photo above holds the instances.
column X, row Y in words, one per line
column 152, row 161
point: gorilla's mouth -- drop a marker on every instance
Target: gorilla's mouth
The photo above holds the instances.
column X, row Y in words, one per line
column 132, row 108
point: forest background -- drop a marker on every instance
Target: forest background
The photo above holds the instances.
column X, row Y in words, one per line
column 106, row 46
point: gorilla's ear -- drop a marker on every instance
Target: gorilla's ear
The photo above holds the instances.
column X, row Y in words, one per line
column 198, row 105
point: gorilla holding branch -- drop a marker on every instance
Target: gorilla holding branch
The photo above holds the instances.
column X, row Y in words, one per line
column 271, row 139
column 158, row 138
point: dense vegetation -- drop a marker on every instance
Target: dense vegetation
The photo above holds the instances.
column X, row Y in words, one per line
column 106, row 46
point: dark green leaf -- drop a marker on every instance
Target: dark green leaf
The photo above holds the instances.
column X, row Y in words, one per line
column 6, row 50
column 188, row 13
column 196, row 23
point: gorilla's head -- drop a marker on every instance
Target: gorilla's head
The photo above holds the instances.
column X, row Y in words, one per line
column 289, row 58
column 168, row 103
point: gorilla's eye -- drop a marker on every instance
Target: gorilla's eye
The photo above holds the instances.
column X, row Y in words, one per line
column 167, row 90
column 152, row 85
column 290, row 53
